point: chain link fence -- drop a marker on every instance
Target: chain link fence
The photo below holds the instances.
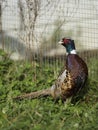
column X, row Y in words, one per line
column 31, row 29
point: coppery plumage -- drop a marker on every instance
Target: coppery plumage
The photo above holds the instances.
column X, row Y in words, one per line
column 74, row 79
column 70, row 80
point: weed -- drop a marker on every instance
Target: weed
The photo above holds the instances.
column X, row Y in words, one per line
column 21, row 77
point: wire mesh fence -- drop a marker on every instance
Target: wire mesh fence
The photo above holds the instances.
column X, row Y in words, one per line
column 31, row 29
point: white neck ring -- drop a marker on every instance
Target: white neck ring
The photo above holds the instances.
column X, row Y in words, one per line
column 73, row 52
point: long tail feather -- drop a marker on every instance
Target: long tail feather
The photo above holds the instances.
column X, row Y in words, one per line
column 33, row 95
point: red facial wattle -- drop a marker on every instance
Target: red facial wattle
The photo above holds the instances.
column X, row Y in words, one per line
column 66, row 41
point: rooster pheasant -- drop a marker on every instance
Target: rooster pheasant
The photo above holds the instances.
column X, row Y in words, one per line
column 70, row 81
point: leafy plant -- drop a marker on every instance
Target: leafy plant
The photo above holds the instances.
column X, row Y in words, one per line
column 21, row 77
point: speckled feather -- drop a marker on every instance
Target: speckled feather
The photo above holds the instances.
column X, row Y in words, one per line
column 71, row 79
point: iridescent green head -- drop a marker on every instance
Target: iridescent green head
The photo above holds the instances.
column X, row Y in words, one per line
column 69, row 45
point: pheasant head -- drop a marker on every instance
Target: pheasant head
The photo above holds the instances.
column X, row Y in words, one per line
column 69, row 45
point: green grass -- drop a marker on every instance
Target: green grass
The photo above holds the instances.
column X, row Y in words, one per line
column 44, row 114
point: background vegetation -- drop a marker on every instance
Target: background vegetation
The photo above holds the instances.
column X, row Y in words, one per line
column 43, row 114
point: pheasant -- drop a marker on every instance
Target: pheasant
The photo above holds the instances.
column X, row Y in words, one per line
column 70, row 81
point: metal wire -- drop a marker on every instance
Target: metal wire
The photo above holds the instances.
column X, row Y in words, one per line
column 34, row 32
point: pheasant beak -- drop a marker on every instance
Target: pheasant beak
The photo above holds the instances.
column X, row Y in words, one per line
column 60, row 42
